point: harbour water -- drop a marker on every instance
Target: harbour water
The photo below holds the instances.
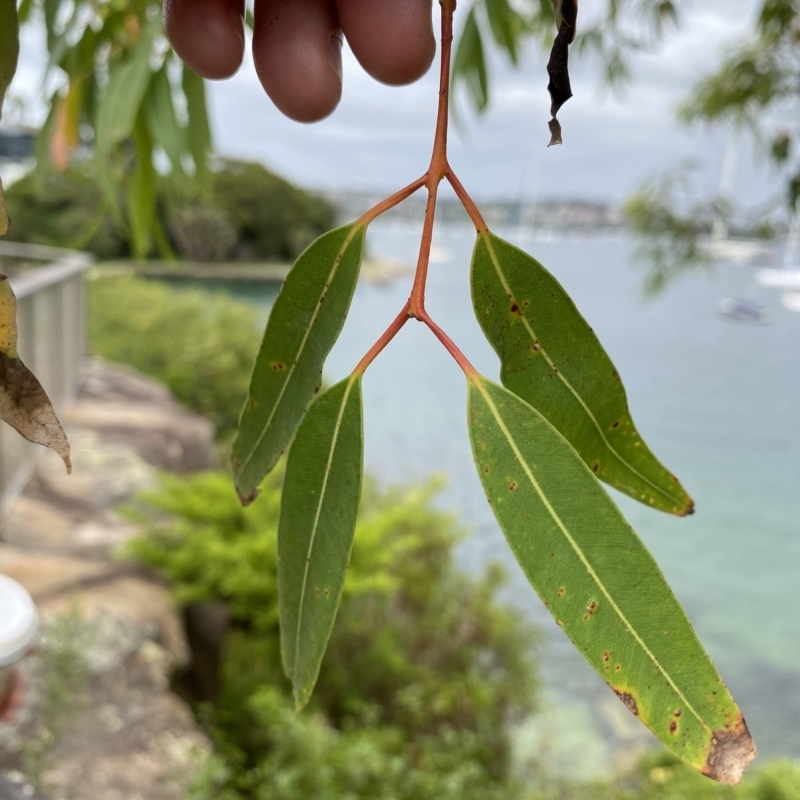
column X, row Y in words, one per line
column 717, row 400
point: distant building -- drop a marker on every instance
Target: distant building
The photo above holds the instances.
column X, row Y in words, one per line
column 17, row 143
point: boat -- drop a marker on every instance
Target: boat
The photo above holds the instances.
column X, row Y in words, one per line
column 791, row 300
column 744, row 310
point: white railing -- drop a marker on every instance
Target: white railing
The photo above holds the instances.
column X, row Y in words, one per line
column 51, row 319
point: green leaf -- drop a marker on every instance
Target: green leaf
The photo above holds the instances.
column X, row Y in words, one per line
column 118, row 110
column 552, row 359
column 198, row 133
column 469, row 64
column 142, row 192
column 601, row 584
column 9, row 46
column 162, row 119
column 119, row 106
column 506, row 26
column 319, row 507
column 304, row 324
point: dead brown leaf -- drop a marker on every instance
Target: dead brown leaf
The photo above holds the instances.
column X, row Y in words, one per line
column 25, row 406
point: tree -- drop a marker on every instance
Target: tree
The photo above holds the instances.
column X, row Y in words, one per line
column 541, row 442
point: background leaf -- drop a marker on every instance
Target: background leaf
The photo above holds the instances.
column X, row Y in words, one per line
column 319, row 507
column 198, row 132
column 601, row 584
column 552, row 359
column 142, row 191
column 9, row 46
column 469, row 63
column 303, row 326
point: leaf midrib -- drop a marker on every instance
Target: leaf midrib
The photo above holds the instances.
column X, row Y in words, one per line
column 579, row 552
column 559, row 373
column 289, row 372
column 323, row 489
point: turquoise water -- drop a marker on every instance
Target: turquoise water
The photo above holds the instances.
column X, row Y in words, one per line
column 717, row 400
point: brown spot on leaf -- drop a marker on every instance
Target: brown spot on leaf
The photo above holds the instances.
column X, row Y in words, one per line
column 595, row 467
column 327, row 593
column 617, row 667
column 730, row 753
column 277, row 366
column 515, row 310
column 606, row 655
column 561, row 591
column 615, row 425
column 673, row 727
column 251, row 402
column 678, row 713
column 512, row 486
column 537, row 345
column 246, row 499
column 590, row 609
column 629, row 700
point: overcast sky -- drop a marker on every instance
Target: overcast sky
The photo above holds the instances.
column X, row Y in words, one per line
column 380, row 137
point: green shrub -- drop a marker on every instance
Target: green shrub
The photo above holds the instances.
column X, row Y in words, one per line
column 424, row 674
column 246, row 213
column 273, row 218
column 202, row 346
column 65, row 209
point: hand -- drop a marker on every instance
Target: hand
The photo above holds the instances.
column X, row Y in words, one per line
column 297, row 44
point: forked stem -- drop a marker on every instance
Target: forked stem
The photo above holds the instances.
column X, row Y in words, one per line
column 391, row 202
column 438, row 169
column 387, row 337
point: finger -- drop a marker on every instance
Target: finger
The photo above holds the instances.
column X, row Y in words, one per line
column 392, row 39
column 297, row 49
column 207, row 34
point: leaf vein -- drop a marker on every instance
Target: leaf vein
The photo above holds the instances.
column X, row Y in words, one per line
column 560, row 375
column 579, row 552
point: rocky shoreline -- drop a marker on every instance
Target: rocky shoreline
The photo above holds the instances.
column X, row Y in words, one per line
column 127, row 735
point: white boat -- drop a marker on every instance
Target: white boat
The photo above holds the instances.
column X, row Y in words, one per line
column 744, row 310
column 779, row 278
column 791, row 300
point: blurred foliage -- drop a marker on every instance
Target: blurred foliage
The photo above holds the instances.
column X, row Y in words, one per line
column 755, row 88
column 272, row 218
column 201, row 345
column 424, row 675
column 667, row 241
column 60, row 671
column 250, row 213
column 65, row 209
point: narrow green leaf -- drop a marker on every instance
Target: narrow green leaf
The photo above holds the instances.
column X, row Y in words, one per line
column 118, row 109
column 506, row 26
column 198, row 132
column 601, row 584
column 119, row 105
column 9, row 46
column 469, row 63
column 304, row 324
column 319, row 506
column 162, row 119
column 552, row 359
column 142, row 193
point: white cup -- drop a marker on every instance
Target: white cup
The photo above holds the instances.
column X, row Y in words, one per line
column 19, row 630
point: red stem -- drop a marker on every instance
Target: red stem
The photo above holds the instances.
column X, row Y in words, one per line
column 391, row 202
column 449, row 345
column 387, row 337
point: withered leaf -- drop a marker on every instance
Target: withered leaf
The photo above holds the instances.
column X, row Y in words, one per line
column 25, row 406
column 566, row 13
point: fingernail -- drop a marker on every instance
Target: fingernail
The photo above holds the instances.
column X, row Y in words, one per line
column 335, row 53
